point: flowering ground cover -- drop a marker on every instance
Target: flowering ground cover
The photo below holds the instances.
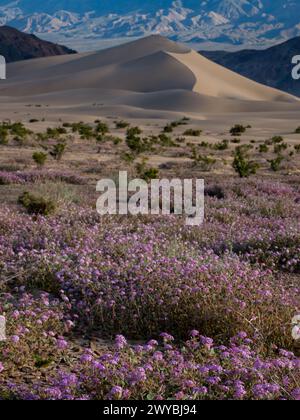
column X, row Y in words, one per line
column 179, row 312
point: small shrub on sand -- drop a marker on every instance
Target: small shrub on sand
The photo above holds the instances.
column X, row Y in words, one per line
column 168, row 128
column 146, row 173
column 263, row 148
column 238, row 130
column 192, row 132
column 121, row 124
column 36, row 205
column 278, row 148
column 133, row 131
column 223, row 145
column 39, row 158
column 58, row 151
column 204, row 162
column 242, row 165
column 275, row 164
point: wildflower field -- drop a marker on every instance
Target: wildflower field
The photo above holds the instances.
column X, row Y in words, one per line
column 145, row 307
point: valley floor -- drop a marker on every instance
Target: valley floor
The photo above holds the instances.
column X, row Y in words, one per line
column 143, row 307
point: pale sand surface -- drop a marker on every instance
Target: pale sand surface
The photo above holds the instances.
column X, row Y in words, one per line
column 152, row 78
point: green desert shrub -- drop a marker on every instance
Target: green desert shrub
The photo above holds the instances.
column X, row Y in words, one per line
column 19, row 130
column 3, row 135
column 242, row 165
column 55, row 133
column 263, row 148
column 238, row 130
column 133, row 131
column 121, row 124
column 215, row 191
column 102, row 128
column 204, row 162
column 223, row 145
column 275, row 164
column 192, row 132
column 57, row 151
column 36, row 205
column 204, row 144
column 278, row 148
column 166, row 140
column 39, row 158
column 168, row 128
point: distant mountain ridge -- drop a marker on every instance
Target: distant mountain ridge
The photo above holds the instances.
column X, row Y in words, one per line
column 15, row 46
column 272, row 67
column 236, row 22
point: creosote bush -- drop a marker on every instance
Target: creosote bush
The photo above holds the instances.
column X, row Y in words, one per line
column 242, row 165
column 275, row 164
column 238, row 130
column 58, row 151
column 37, row 205
column 192, row 132
column 39, row 158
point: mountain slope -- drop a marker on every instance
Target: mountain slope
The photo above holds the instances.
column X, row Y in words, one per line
column 238, row 22
column 15, row 46
column 271, row 67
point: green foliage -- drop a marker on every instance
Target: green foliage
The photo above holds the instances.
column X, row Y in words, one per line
column 166, row 141
column 55, row 133
column 39, row 158
column 205, row 162
column 204, row 144
column 146, row 173
column 168, row 128
column 237, row 130
column 223, row 145
column 133, row 131
column 242, row 165
column 278, row 148
column 14, row 129
column 297, row 148
column 297, row 131
column 263, row 148
column 3, row 135
column 57, row 151
column 192, row 132
column 102, row 128
column 276, row 163
column 37, row 205
column 135, row 143
column 121, row 124
column 274, row 140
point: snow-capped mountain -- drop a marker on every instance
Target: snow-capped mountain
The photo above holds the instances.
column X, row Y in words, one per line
column 251, row 22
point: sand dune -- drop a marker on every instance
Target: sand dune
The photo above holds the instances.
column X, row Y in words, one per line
column 149, row 74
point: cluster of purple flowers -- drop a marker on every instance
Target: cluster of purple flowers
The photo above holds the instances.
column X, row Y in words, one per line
column 29, row 177
column 136, row 277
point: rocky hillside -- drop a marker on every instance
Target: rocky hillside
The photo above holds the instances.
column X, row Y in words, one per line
column 272, row 67
column 15, row 46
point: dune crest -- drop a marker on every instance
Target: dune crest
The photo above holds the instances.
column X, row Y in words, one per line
column 151, row 73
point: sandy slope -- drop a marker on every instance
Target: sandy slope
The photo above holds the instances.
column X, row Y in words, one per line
column 149, row 74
